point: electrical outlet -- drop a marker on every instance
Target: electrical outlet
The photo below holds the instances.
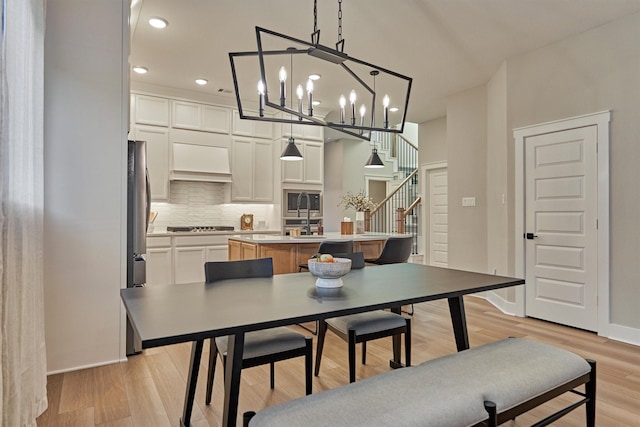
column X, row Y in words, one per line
column 468, row 201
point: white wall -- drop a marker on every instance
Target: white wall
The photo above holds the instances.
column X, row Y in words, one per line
column 594, row 71
column 84, row 160
column 498, row 139
column 433, row 141
column 466, row 151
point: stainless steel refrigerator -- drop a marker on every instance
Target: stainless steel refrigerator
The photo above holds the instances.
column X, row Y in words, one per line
column 138, row 205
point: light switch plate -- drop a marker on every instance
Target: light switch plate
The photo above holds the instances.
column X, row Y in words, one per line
column 468, row 201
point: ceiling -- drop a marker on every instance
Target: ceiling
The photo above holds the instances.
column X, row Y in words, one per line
column 446, row 46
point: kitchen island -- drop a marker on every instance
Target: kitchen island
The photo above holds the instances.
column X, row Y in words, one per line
column 288, row 252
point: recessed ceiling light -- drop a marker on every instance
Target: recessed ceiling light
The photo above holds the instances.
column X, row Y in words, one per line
column 140, row 69
column 316, row 102
column 202, row 82
column 314, row 76
column 393, row 109
column 156, row 22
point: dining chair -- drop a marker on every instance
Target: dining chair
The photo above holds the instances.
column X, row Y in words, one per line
column 260, row 347
column 363, row 327
column 331, row 247
column 396, row 250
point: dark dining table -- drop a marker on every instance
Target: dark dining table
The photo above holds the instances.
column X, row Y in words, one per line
column 194, row 312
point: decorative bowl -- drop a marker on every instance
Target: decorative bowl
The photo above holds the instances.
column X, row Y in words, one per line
column 329, row 273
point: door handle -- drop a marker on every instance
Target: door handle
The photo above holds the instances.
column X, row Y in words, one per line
column 530, row 236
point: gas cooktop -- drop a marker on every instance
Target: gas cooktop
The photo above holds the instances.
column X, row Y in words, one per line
column 200, row 228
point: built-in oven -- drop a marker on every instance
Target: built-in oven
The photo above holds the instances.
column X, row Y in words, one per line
column 294, row 200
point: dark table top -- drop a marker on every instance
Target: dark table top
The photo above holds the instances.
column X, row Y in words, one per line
column 179, row 313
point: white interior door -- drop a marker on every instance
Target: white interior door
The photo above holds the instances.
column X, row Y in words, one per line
column 561, row 201
column 438, row 218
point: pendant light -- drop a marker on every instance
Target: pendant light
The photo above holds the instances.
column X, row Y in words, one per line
column 291, row 152
column 374, row 159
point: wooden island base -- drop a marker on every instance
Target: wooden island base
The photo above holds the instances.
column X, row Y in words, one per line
column 289, row 252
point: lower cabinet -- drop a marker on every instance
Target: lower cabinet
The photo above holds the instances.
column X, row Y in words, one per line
column 180, row 259
column 159, row 261
column 189, row 263
column 191, row 252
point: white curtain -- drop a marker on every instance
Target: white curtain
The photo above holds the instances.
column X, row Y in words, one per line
column 23, row 395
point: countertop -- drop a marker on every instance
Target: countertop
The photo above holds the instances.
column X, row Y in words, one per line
column 266, row 238
column 164, row 232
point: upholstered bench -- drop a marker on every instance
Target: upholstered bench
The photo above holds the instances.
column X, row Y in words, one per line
column 486, row 385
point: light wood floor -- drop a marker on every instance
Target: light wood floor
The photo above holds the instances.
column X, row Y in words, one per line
column 148, row 390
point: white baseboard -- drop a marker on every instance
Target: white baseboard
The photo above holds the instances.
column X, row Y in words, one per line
column 614, row 332
column 500, row 303
column 93, row 365
column 624, row 333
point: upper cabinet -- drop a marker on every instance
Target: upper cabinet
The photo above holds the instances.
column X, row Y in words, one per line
column 308, row 171
column 194, row 116
column 157, row 159
column 253, row 128
column 252, row 170
column 309, row 132
column 150, row 110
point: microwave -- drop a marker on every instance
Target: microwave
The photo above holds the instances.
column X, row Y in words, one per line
column 291, row 203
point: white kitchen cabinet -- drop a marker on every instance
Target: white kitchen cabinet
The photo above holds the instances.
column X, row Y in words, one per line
column 191, row 252
column 186, row 115
column 308, row 171
column 157, row 159
column 189, row 264
column 159, row 261
column 313, row 162
column 215, row 119
column 254, row 128
column 315, row 133
column 151, row 110
column 203, row 117
column 252, row 170
column 217, row 253
column 308, row 132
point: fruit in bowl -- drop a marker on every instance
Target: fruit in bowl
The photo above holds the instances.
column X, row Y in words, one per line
column 329, row 270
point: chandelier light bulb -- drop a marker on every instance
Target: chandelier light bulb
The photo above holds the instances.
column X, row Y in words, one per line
column 385, row 103
column 363, row 111
column 352, row 100
column 283, row 79
column 310, row 95
column 343, row 102
column 261, row 98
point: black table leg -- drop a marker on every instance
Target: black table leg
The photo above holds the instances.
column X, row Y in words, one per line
column 459, row 321
column 194, row 367
column 396, row 362
column 235, row 347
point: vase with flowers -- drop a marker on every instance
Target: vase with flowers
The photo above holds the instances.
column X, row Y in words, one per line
column 360, row 202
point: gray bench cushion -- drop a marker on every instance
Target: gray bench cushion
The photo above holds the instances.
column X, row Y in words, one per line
column 269, row 341
column 369, row 322
column 448, row 391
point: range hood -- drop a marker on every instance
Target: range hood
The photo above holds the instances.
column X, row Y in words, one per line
column 193, row 162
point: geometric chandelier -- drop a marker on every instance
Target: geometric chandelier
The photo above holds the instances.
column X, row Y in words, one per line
column 288, row 76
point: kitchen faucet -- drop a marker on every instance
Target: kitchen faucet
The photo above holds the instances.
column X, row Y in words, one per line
column 305, row 194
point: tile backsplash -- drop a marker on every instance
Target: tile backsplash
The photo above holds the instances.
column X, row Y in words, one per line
column 203, row 203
